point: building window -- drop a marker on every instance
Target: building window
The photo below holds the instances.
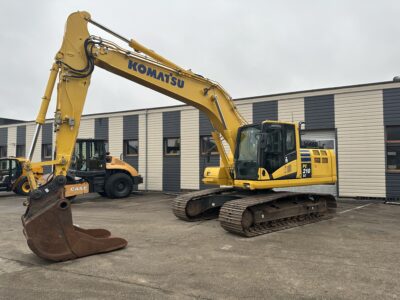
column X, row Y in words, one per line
column 208, row 145
column 20, row 151
column 46, row 151
column 131, row 147
column 172, row 146
column 393, row 148
column 3, row 151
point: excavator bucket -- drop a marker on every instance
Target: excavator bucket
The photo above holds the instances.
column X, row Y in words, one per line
column 50, row 232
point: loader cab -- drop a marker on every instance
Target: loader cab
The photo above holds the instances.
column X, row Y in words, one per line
column 269, row 146
column 10, row 171
column 90, row 156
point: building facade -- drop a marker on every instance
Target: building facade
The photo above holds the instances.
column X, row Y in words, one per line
column 168, row 145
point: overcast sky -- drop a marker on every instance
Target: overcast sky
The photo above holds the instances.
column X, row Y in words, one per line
column 250, row 47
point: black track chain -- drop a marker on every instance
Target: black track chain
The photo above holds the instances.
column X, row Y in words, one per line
column 231, row 213
column 180, row 203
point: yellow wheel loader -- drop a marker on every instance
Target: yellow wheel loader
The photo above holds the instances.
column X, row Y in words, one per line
column 93, row 170
column 261, row 156
column 13, row 175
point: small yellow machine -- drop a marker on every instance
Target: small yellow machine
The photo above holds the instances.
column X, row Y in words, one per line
column 13, row 175
column 93, row 170
column 261, row 156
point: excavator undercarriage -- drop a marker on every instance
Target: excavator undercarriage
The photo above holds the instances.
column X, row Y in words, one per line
column 251, row 213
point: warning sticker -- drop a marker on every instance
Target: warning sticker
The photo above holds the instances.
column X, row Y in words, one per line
column 306, row 170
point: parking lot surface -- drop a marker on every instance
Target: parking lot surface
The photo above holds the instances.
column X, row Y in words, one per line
column 356, row 255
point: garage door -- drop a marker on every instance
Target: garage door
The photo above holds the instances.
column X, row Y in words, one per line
column 325, row 139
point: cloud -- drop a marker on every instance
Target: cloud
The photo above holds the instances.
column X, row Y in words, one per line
column 250, row 47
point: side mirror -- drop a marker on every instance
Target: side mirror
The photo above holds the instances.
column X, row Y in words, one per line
column 302, row 126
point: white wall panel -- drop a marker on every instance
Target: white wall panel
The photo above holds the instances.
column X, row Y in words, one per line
column 115, row 135
column 190, row 149
column 246, row 110
column 12, row 141
column 291, row 110
column 155, row 152
column 86, row 129
column 361, row 145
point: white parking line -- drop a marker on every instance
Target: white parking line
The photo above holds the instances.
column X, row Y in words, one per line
column 358, row 207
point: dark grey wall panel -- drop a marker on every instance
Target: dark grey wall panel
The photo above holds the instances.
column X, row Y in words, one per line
column 131, row 127
column 21, row 135
column 319, row 112
column 3, row 136
column 47, row 138
column 47, row 133
column 172, row 164
column 101, row 128
column 172, row 173
column 131, row 132
column 391, row 106
column 267, row 110
column 172, row 124
column 392, row 186
column 391, row 116
column 205, row 128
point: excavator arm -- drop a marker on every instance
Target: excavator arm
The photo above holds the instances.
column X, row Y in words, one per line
column 47, row 221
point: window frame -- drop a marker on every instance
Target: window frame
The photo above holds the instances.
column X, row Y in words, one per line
column 202, row 152
column 165, row 146
column 126, row 142
column 390, row 143
column 44, row 157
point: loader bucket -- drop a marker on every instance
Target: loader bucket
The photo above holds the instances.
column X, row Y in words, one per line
column 50, row 232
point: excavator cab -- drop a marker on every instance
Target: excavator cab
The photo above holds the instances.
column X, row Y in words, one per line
column 265, row 148
column 10, row 172
column 89, row 156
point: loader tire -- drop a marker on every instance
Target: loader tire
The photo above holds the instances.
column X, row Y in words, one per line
column 103, row 194
column 22, row 187
column 119, row 185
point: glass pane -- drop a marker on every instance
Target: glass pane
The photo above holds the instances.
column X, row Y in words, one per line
column 132, row 147
column 208, row 145
column 326, row 144
column 172, row 146
column 248, row 148
column 290, row 139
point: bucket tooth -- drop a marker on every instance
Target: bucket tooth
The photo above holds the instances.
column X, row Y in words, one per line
column 50, row 232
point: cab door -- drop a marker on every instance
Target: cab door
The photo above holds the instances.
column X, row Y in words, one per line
column 5, row 174
column 10, row 171
column 279, row 153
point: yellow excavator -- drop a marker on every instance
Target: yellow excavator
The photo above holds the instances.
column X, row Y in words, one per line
column 261, row 156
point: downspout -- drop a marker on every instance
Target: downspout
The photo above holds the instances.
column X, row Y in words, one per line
column 147, row 154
